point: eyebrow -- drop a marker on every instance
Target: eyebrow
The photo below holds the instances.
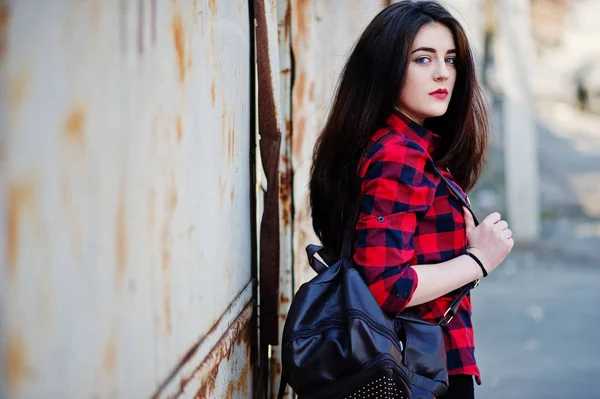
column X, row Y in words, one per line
column 432, row 50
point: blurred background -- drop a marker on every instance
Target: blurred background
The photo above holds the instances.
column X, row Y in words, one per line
column 154, row 160
column 535, row 318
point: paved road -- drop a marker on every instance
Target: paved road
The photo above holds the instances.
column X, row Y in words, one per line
column 537, row 323
column 537, row 318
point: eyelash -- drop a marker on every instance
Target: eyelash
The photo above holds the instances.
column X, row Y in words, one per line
column 418, row 60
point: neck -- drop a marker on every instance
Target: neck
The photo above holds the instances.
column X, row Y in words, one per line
column 419, row 121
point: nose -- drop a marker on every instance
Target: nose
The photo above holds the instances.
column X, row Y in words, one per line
column 441, row 72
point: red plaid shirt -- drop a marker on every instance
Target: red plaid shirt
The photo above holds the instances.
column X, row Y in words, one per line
column 409, row 217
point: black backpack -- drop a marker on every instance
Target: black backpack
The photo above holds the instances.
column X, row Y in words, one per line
column 337, row 342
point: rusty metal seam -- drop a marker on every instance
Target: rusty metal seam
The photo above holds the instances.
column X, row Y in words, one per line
column 270, row 143
column 245, row 299
column 286, row 274
column 218, row 352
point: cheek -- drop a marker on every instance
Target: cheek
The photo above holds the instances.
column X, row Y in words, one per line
column 412, row 84
column 452, row 79
column 408, row 91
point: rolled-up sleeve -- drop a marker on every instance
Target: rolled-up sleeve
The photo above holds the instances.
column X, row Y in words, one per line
column 396, row 192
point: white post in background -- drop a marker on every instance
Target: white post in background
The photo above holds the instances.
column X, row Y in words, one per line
column 515, row 54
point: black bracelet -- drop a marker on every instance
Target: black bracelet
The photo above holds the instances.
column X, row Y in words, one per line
column 476, row 259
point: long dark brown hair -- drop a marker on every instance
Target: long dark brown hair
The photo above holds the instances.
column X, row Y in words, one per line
column 368, row 90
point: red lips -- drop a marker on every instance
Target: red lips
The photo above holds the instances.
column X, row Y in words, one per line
column 439, row 93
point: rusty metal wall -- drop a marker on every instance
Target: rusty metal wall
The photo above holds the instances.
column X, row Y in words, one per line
column 323, row 32
column 125, row 223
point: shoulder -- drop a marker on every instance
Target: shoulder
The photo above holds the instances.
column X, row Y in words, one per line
column 390, row 148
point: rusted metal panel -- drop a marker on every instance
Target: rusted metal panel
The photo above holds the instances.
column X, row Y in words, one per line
column 124, row 165
column 227, row 372
column 286, row 288
column 220, row 365
column 317, row 64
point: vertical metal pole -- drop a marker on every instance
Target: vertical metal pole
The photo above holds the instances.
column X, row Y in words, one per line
column 286, row 286
column 515, row 56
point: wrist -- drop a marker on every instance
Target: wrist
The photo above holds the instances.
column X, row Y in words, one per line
column 479, row 261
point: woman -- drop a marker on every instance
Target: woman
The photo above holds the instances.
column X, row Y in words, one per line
column 408, row 99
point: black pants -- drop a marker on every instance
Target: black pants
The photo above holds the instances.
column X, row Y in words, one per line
column 460, row 387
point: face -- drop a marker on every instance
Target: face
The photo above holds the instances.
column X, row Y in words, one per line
column 430, row 75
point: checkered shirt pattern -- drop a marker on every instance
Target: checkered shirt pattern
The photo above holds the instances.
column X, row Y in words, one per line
column 408, row 216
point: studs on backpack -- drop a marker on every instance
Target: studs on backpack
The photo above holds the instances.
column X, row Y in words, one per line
column 382, row 388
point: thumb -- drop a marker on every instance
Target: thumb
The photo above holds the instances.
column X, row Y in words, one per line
column 469, row 222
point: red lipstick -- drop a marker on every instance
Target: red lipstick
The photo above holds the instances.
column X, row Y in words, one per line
column 439, row 93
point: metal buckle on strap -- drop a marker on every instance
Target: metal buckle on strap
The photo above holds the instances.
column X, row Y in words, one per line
column 445, row 321
column 477, row 283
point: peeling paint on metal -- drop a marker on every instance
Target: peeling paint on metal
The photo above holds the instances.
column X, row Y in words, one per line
column 213, row 94
column 302, row 10
column 285, row 192
column 212, row 5
column 177, row 28
column 15, row 362
column 20, row 201
column 287, row 22
column 239, row 333
column 221, row 356
column 109, row 360
column 75, row 124
column 18, row 86
column 179, row 128
column 283, row 299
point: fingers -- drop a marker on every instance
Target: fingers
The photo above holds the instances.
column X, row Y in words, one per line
column 501, row 225
column 469, row 222
column 492, row 218
column 507, row 233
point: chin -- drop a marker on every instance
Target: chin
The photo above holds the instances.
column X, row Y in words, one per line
column 434, row 112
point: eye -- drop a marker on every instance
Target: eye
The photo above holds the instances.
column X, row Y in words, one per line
column 451, row 60
column 422, row 60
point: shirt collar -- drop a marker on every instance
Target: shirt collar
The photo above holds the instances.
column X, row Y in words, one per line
column 412, row 130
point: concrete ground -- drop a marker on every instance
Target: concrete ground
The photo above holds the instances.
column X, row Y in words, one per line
column 537, row 329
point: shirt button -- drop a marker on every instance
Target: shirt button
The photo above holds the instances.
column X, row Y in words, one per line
column 380, row 219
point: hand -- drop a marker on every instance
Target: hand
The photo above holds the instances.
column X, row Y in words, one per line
column 491, row 241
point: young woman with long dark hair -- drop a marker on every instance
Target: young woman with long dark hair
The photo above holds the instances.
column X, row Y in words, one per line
column 408, row 99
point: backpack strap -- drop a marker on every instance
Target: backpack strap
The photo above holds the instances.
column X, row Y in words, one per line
column 449, row 314
column 317, row 264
